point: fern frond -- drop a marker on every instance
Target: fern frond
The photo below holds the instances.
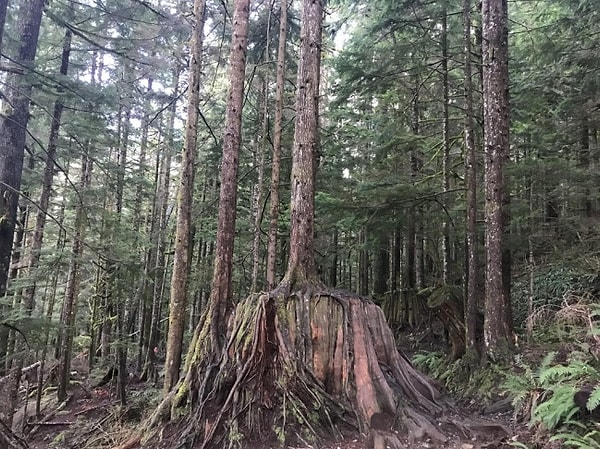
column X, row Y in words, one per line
column 594, row 399
column 547, row 360
column 561, row 373
column 557, row 408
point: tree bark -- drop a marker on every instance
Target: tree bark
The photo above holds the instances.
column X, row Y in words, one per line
column 14, row 118
column 181, row 258
column 496, row 140
column 276, row 163
column 44, row 200
column 301, row 266
column 472, row 298
column 220, row 296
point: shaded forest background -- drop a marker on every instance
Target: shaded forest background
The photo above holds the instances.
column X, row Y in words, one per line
column 91, row 267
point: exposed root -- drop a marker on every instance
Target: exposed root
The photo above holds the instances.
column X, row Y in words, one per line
column 303, row 366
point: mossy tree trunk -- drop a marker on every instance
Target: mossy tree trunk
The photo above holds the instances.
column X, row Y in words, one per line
column 183, row 237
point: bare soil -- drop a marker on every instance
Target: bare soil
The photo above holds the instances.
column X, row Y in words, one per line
column 93, row 418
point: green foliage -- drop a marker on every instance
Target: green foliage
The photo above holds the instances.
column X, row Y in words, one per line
column 458, row 376
column 433, row 363
column 524, row 385
column 550, row 286
column 545, row 395
column 559, row 407
column 579, row 436
column 594, row 399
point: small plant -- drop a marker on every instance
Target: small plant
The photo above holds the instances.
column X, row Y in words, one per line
column 546, row 395
column 526, row 387
column 433, row 363
column 558, row 408
column 587, row 440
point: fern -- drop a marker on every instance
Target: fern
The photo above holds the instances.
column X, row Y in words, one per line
column 590, row 440
column 594, row 399
column 545, row 395
column 558, row 408
column 561, row 373
column 547, row 360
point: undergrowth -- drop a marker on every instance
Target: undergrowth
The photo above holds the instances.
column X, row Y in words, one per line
column 458, row 377
column 542, row 392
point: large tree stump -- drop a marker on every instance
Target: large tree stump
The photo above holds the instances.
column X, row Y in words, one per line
column 304, row 366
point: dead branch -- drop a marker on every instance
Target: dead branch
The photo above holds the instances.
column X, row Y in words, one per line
column 9, row 440
column 52, row 423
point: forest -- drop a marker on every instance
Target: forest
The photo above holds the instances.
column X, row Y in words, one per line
column 299, row 224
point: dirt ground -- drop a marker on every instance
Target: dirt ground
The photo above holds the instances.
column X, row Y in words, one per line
column 91, row 418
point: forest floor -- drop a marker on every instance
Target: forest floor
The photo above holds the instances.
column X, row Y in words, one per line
column 93, row 418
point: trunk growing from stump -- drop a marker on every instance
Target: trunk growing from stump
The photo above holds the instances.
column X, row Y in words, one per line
column 301, row 362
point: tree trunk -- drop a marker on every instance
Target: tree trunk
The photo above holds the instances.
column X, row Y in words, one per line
column 181, row 258
column 72, row 287
column 382, row 267
column 220, row 295
column 363, row 264
column 472, row 275
column 156, row 264
column 44, row 200
column 496, row 127
column 3, row 7
column 446, row 150
column 276, row 163
column 258, row 188
column 13, row 130
column 301, row 268
column 16, row 92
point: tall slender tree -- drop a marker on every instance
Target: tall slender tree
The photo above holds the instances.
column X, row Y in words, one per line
column 472, row 258
column 276, row 163
column 497, row 329
column 183, row 237
column 301, row 267
column 220, row 296
column 49, row 168
column 14, row 118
